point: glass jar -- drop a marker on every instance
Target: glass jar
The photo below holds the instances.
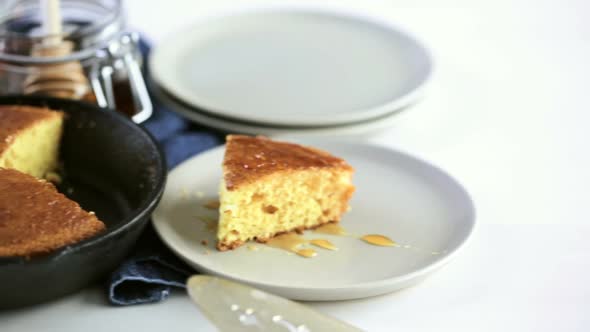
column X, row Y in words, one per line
column 96, row 59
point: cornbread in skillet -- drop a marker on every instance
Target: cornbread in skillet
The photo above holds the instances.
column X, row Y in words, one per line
column 270, row 187
column 29, row 139
column 35, row 219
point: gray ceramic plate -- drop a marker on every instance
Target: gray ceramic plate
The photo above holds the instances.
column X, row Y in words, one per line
column 416, row 204
column 293, row 66
column 358, row 129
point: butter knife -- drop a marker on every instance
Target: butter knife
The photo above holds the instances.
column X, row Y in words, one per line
column 236, row 307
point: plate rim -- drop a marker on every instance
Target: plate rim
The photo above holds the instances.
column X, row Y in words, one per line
column 360, row 128
column 423, row 271
column 157, row 65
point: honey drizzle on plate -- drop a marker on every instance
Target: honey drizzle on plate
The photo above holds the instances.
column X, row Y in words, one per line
column 308, row 253
column 378, row 240
column 331, row 229
column 212, row 205
column 287, row 241
column 325, row 244
column 293, row 242
column 210, row 223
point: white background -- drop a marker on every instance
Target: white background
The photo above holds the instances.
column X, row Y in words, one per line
column 508, row 115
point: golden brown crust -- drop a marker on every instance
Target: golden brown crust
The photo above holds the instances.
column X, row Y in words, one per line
column 249, row 158
column 15, row 118
column 36, row 219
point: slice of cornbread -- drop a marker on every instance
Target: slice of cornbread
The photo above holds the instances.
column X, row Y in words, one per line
column 29, row 139
column 36, row 219
column 271, row 187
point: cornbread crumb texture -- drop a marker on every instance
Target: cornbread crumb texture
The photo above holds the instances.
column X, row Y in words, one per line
column 29, row 139
column 278, row 187
column 36, row 219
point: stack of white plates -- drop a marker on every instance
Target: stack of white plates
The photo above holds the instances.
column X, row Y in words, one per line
column 291, row 71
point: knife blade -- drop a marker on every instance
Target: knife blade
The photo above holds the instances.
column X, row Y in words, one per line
column 232, row 306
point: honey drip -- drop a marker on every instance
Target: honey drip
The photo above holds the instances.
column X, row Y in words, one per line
column 378, row 240
column 331, row 229
column 323, row 244
column 308, row 253
column 212, row 205
column 291, row 242
column 210, row 223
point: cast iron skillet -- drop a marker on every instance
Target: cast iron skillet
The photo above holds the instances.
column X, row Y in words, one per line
column 112, row 167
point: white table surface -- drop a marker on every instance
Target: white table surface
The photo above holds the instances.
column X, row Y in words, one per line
column 508, row 115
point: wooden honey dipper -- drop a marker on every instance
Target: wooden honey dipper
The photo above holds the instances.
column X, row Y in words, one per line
column 66, row 79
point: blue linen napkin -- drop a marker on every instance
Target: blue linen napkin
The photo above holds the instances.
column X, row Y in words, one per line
column 152, row 271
